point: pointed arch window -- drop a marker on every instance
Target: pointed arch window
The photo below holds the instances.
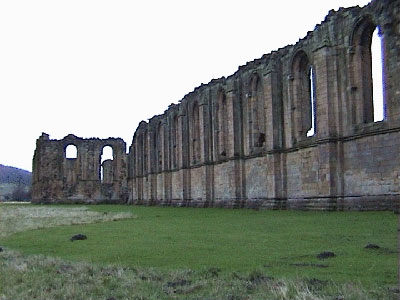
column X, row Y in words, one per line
column 311, row 77
column 145, row 152
column 304, row 96
column 175, row 141
column 160, row 146
column 222, row 124
column 367, row 74
column 377, row 75
column 256, row 114
column 195, row 126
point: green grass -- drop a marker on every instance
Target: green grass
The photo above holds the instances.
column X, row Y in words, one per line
column 26, row 277
column 282, row 244
column 17, row 217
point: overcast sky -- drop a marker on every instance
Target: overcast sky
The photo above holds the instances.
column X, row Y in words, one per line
column 97, row 68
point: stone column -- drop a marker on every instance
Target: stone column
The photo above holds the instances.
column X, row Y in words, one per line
column 390, row 33
column 274, row 128
column 327, row 102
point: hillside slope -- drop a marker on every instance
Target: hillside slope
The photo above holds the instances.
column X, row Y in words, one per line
column 15, row 184
column 14, row 175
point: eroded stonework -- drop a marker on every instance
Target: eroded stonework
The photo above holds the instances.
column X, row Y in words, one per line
column 58, row 179
column 293, row 129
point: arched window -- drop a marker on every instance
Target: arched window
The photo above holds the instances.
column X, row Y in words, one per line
column 222, row 124
column 160, row 146
column 256, row 114
column 195, row 132
column 106, row 164
column 304, row 100
column 311, row 131
column 71, row 151
column 366, row 70
column 145, row 154
column 377, row 75
column 250, row 115
column 175, row 141
column 139, row 155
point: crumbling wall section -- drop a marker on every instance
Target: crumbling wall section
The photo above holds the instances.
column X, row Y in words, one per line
column 294, row 129
column 244, row 140
column 84, row 179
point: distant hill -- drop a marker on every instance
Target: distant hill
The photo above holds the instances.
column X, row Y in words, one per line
column 14, row 175
column 15, row 184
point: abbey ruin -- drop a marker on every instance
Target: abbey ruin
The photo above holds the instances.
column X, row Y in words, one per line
column 293, row 130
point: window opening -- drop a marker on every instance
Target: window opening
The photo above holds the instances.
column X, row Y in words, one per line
column 196, row 133
column 250, row 121
column 71, row 152
column 222, row 119
column 145, row 141
column 160, row 141
column 311, row 132
column 377, row 75
column 107, row 156
column 175, row 141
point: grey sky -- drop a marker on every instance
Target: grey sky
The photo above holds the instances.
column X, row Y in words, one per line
column 97, row 68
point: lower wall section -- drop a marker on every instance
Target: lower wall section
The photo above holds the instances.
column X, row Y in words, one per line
column 225, row 178
column 387, row 202
column 371, row 166
column 362, row 173
column 88, row 192
column 256, row 178
column 355, row 173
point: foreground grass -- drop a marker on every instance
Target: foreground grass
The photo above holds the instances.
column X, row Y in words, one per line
column 39, row 277
column 281, row 243
column 184, row 253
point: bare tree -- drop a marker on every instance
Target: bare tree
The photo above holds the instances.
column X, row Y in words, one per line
column 20, row 193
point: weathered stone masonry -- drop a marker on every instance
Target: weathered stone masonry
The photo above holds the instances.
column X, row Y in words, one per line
column 242, row 141
column 76, row 180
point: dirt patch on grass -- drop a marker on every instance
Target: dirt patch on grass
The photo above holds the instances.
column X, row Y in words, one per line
column 17, row 218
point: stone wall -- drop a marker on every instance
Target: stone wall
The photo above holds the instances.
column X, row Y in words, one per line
column 58, row 179
column 248, row 140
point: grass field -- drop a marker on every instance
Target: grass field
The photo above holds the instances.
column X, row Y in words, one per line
column 188, row 253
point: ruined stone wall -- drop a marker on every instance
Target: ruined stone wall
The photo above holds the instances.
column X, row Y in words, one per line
column 247, row 140
column 57, row 178
column 242, row 141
